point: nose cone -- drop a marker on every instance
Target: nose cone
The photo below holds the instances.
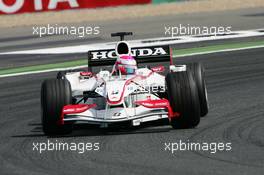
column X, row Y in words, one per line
column 115, row 91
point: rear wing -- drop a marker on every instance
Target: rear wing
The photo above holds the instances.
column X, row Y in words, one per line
column 141, row 54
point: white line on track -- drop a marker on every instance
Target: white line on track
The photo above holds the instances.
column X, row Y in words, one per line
column 142, row 43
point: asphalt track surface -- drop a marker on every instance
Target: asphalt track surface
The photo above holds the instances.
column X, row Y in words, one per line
column 235, row 82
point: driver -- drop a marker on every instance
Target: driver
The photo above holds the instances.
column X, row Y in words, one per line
column 126, row 64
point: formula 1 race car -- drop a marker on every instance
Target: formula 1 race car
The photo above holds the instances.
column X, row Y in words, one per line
column 127, row 93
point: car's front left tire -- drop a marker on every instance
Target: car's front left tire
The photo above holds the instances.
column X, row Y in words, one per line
column 54, row 95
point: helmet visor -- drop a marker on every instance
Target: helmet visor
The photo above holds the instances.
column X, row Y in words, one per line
column 130, row 70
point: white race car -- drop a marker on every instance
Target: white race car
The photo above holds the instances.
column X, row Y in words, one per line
column 109, row 97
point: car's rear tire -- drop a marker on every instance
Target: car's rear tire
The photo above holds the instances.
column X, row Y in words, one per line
column 54, row 95
column 183, row 98
column 198, row 74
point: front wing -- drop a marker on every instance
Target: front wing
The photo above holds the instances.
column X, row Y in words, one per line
column 147, row 110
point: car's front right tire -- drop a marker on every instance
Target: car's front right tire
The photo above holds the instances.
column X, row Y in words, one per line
column 55, row 94
column 197, row 71
column 184, row 99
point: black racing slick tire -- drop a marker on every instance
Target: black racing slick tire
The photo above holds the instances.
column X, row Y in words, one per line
column 198, row 74
column 54, row 95
column 183, row 98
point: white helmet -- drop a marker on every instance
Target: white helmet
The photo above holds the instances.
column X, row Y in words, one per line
column 126, row 64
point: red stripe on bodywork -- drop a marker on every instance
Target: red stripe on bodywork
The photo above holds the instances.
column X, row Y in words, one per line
column 74, row 109
column 159, row 103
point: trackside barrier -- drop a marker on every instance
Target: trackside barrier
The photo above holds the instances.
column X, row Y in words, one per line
column 167, row 1
column 29, row 6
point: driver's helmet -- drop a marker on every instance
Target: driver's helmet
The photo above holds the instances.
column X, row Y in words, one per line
column 126, row 64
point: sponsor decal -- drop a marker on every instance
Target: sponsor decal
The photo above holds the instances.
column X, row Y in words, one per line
column 137, row 52
column 150, row 89
column 115, row 92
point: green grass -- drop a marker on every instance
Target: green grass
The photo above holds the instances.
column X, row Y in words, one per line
column 43, row 67
column 180, row 52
